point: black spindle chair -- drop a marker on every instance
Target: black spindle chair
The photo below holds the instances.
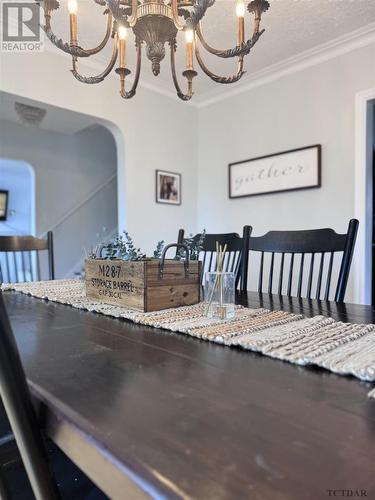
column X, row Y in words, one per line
column 237, row 253
column 20, row 261
column 305, row 261
column 20, row 258
column 18, row 405
column 41, row 467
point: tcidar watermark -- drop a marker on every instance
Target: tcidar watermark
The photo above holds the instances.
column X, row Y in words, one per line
column 347, row 493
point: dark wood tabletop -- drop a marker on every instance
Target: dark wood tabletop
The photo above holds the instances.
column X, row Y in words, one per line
column 146, row 412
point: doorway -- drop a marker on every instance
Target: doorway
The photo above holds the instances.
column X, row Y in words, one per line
column 371, row 139
column 364, row 193
column 75, row 159
column 18, row 179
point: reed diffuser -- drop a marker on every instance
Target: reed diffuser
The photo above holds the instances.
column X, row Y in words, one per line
column 220, row 289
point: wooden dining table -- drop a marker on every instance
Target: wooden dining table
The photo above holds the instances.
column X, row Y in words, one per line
column 149, row 413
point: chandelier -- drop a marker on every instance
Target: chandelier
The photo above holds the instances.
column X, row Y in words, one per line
column 155, row 24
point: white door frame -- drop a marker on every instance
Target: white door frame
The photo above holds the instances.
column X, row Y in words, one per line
column 362, row 262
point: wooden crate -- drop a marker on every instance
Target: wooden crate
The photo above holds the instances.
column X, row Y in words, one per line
column 138, row 285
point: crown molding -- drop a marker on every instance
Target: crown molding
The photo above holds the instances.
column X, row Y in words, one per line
column 319, row 54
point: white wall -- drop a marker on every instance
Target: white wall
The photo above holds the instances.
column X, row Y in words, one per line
column 153, row 132
column 315, row 105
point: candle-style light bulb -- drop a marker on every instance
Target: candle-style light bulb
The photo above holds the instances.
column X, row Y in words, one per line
column 189, row 37
column 240, row 8
column 122, row 32
column 72, row 6
column 240, row 12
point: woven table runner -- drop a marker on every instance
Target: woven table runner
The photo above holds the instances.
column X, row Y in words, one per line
column 342, row 348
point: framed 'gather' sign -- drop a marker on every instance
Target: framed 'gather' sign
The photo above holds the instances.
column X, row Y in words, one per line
column 285, row 171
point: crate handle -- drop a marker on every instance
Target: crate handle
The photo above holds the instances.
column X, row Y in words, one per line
column 165, row 250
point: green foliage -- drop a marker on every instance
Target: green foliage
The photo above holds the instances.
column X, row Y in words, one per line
column 159, row 249
column 122, row 247
column 194, row 244
column 133, row 253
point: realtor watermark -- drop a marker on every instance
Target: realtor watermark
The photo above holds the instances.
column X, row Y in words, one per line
column 20, row 27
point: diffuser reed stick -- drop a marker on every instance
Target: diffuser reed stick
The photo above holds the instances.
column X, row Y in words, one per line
column 218, row 284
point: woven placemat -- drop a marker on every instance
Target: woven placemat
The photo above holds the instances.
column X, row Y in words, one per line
column 342, row 348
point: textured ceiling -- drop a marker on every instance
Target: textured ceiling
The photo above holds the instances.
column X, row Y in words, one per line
column 292, row 27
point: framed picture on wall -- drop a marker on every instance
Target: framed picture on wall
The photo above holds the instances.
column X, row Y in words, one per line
column 3, row 204
column 168, row 187
column 286, row 171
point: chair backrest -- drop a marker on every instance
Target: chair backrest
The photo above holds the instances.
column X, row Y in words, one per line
column 20, row 258
column 20, row 411
column 300, row 263
column 236, row 257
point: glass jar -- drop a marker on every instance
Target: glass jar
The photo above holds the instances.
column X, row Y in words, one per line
column 219, row 294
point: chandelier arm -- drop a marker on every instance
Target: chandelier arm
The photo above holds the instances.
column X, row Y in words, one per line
column 179, row 25
column 98, row 78
column 76, row 50
column 121, row 14
column 48, row 6
column 133, row 17
column 258, row 7
column 103, row 43
column 199, row 9
column 238, row 50
column 217, row 78
column 198, row 12
column 181, row 95
column 132, row 91
column 73, row 50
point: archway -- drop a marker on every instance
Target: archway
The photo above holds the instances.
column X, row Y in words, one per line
column 79, row 180
column 18, row 178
